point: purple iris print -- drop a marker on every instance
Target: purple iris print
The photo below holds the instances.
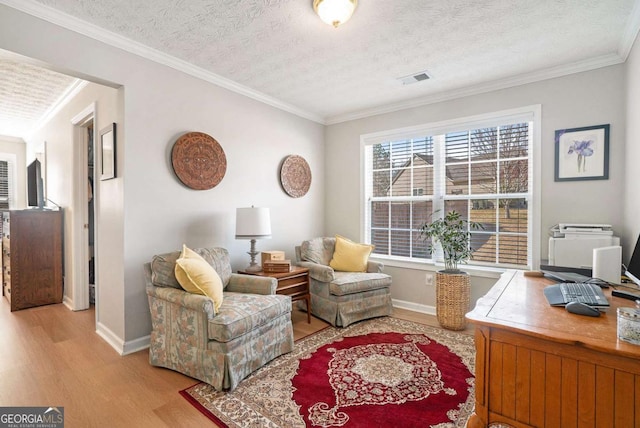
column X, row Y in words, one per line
column 582, row 149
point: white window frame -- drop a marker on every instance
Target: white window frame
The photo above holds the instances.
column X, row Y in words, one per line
column 532, row 113
column 10, row 158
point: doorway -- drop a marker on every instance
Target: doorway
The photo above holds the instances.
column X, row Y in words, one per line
column 91, row 213
column 84, row 287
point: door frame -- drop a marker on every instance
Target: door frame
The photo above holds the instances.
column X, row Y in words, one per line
column 79, row 219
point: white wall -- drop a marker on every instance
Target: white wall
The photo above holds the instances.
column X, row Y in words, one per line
column 583, row 99
column 632, row 152
column 147, row 210
column 17, row 147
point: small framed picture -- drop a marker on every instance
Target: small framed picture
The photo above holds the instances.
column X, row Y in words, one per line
column 582, row 153
column 108, row 152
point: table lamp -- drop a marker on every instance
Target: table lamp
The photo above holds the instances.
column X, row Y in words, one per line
column 253, row 223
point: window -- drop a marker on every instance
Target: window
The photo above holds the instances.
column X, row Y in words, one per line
column 7, row 181
column 480, row 167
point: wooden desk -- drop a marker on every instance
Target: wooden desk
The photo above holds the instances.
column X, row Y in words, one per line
column 538, row 365
column 294, row 283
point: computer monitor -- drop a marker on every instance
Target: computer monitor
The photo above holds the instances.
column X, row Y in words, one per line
column 633, row 270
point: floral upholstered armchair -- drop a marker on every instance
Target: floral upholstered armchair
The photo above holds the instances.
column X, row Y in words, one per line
column 251, row 326
column 344, row 290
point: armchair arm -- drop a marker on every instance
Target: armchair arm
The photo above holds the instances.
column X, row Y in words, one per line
column 374, row 267
column 241, row 283
column 194, row 302
column 319, row 272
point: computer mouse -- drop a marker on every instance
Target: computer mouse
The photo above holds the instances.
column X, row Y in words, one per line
column 582, row 309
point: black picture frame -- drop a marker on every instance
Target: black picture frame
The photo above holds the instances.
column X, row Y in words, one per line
column 108, row 152
column 582, row 153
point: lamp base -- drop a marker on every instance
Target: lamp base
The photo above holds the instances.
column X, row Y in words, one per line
column 253, row 268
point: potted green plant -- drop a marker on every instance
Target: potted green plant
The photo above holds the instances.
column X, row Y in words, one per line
column 453, row 234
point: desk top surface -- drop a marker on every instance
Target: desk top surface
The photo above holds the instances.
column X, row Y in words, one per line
column 517, row 303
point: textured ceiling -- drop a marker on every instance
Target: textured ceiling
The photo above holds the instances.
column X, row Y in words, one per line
column 27, row 94
column 280, row 49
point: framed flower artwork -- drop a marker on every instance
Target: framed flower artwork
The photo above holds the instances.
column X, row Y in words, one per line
column 582, row 153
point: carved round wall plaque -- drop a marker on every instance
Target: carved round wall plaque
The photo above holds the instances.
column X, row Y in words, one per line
column 198, row 161
column 295, row 176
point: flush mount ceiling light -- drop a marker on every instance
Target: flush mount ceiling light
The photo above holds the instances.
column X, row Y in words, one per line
column 335, row 12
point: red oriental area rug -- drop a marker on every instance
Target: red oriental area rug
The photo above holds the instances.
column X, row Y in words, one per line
column 384, row 372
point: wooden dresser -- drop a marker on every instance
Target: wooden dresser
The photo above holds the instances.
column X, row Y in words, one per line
column 32, row 258
column 540, row 366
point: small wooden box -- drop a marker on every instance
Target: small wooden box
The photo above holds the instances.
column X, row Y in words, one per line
column 268, row 256
column 276, row 266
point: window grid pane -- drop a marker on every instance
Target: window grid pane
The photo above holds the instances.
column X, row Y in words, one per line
column 484, row 144
column 514, row 141
column 457, row 147
column 484, row 177
column 457, row 179
column 514, row 176
column 381, row 183
column 380, row 238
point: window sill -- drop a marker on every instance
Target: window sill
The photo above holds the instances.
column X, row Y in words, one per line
column 429, row 266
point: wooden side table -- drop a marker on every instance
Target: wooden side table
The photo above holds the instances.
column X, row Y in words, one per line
column 294, row 283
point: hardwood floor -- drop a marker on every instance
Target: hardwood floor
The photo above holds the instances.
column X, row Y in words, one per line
column 51, row 356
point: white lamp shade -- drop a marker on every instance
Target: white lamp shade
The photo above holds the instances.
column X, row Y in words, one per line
column 335, row 12
column 253, row 223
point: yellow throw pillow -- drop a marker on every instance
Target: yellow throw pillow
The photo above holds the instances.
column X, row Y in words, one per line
column 350, row 256
column 197, row 276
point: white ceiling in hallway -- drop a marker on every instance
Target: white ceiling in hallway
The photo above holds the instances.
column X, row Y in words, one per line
column 280, row 51
column 27, row 93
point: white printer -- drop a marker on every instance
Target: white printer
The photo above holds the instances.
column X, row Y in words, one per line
column 572, row 245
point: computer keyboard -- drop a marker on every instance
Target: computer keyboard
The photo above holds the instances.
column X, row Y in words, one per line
column 580, row 292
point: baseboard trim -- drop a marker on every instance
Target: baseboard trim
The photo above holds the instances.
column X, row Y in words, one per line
column 136, row 345
column 416, row 307
column 122, row 347
column 67, row 302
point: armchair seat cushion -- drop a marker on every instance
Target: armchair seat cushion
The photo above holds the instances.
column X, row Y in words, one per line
column 242, row 313
column 357, row 282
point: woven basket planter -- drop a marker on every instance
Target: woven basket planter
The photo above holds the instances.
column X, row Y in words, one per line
column 452, row 299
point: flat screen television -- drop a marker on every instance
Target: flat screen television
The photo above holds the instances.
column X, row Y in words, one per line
column 35, row 185
column 633, row 270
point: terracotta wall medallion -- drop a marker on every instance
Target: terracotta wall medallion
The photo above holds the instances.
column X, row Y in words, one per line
column 198, row 160
column 295, row 176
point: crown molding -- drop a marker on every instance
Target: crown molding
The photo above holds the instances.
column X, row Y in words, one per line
column 64, row 99
column 11, row 139
column 100, row 34
column 522, row 79
column 631, row 32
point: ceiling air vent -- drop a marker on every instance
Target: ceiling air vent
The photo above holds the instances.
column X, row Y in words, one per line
column 414, row 78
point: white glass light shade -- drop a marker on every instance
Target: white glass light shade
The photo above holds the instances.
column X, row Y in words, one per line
column 335, row 12
column 253, row 223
